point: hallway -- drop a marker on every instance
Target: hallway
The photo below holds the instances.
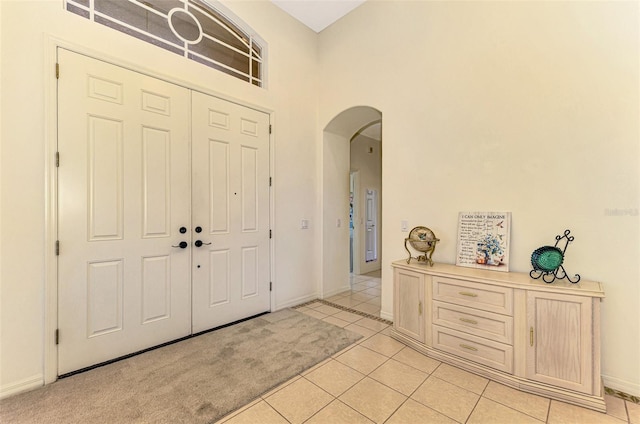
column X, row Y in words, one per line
column 364, row 295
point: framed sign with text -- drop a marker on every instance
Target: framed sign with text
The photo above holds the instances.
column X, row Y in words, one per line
column 483, row 240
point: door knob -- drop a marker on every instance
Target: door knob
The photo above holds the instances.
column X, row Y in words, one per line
column 199, row 243
column 182, row 245
column 182, row 230
column 198, row 229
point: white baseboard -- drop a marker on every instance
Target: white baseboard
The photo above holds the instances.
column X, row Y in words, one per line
column 342, row 289
column 627, row 387
column 296, row 302
column 21, row 386
column 386, row 315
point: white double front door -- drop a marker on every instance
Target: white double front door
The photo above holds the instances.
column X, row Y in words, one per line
column 163, row 212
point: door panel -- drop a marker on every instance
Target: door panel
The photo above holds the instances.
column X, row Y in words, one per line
column 219, row 186
column 105, row 175
column 249, row 193
column 250, row 284
column 123, row 193
column 408, row 302
column 230, row 189
column 560, row 350
column 156, row 288
column 156, row 182
column 218, row 283
column 104, row 299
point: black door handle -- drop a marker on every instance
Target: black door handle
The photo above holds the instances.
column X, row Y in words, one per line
column 182, row 245
column 199, row 243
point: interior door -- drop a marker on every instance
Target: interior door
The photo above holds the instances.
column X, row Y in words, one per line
column 371, row 242
column 230, row 189
column 123, row 195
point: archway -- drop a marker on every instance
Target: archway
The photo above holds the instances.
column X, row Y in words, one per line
column 354, row 124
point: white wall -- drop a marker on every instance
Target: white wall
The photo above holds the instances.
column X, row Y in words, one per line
column 26, row 31
column 369, row 166
column 529, row 107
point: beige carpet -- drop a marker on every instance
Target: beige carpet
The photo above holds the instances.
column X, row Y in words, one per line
column 198, row 380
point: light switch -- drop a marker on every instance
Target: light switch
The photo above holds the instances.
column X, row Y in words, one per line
column 304, row 224
column 338, row 223
column 404, row 225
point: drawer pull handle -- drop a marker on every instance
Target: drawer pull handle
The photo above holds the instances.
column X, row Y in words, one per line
column 468, row 294
column 464, row 346
column 467, row 320
column 531, row 336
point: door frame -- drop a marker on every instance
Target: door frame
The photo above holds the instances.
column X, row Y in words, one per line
column 374, row 197
column 50, row 300
column 355, row 251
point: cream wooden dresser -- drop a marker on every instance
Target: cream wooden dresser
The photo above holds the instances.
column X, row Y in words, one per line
column 537, row 337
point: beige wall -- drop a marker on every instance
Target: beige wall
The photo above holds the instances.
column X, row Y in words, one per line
column 335, row 206
column 530, row 107
column 27, row 28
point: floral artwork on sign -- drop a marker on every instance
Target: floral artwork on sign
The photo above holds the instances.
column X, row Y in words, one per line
column 483, row 240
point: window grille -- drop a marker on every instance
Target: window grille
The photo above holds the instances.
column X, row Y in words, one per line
column 190, row 28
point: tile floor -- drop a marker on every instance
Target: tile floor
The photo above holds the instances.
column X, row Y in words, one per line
column 379, row 380
column 364, row 295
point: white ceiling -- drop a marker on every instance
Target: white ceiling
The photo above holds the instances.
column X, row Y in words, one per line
column 317, row 14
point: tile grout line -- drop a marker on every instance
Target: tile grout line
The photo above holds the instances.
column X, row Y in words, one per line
column 344, row 308
column 482, row 396
column 622, row 395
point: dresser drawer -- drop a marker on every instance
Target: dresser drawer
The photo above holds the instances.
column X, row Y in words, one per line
column 490, row 298
column 474, row 321
column 477, row 349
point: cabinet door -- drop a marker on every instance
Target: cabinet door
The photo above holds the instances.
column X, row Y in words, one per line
column 560, row 349
column 409, row 303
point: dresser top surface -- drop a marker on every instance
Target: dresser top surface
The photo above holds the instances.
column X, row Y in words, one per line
column 510, row 279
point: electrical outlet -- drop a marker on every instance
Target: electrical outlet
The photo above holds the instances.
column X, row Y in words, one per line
column 304, row 224
column 404, row 226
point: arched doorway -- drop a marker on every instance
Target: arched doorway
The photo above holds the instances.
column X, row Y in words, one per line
column 354, row 132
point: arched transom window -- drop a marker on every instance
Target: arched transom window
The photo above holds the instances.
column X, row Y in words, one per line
column 190, row 28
